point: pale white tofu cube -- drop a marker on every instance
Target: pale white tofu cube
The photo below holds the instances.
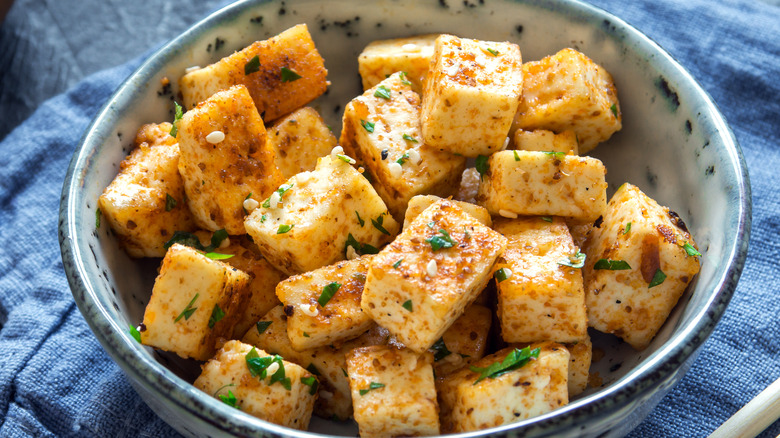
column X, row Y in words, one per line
column 543, row 140
column 299, row 139
column 420, row 202
column 411, row 55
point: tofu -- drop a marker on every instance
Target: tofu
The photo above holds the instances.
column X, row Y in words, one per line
column 145, row 203
column 632, row 301
column 392, row 149
column 317, row 216
column 529, row 183
column 393, row 392
column 581, row 355
column 535, row 388
column 224, row 159
column 194, row 302
column 539, row 299
column 420, row 202
column 381, row 58
column 465, row 342
column 298, row 140
column 262, row 284
column 542, row 140
column 568, row 91
column 416, row 292
column 323, row 306
column 471, row 94
column 469, row 186
column 284, row 397
column 290, row 73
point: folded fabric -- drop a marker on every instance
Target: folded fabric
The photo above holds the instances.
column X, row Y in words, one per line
column 56, row 380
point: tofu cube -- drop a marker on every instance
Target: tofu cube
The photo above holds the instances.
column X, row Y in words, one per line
column 411, row 55
column 393, row 392
column 542, row 140
column 282, row 74
column 568, row 90
column 316, row 217
column 423, row 281
column 581, row 353
column 195, row 301
column 471, row 94
column 285, row 396
column 392, row 148
column 535, row 388
column 145, row 203
column 269, row 333
column 298, row 140
column 323, row 306
column 540, row 298
column 224, row 159
column 640, row 259
column 465, row 342
column 420, row 202
column 529, row 183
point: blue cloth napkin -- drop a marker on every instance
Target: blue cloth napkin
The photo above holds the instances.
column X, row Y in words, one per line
column 56, row 380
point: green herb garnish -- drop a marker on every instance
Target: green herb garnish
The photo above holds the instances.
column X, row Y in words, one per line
column 189, row 310
column 372, row 386
column 611, row 265
column 576, row 261
column 408, row 305
column 658, row 278
column 135, row 334
column 313, row 369
column 188, row 239
column 344, row 372
column 262, row 326
column 556, row 155
column 410, row 138
column 547, row 219
column 517, row 156
column 403, row 158
column 218, row 256
column 440, row 350
column 690, row 250
column 283, row 228
column 613, row 108
column 514, row 360
column 441, row 240
column 252, row 66
column 481, row 164
column 377, row 223
column 360, row 248
column 402, row 75
column 284, row 188
column 178, row 113
column 170, row 202
column 216, row 315
column 382, row 92
column 98, row 213
column 327, row 293
column 502, row 274
column 229, row 399
column 289, row 75
column 258, row 366
column 360, row 220
column 627, row 229
column 263, row 218
column 368, row 126
column 397, row 263
column 312, row 382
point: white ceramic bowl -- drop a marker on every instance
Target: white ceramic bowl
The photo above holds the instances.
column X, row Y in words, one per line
column 675, row 145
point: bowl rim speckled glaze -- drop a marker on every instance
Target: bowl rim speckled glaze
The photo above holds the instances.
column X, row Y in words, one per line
column 659, row 370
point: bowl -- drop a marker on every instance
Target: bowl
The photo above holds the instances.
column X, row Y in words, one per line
column 675, row 145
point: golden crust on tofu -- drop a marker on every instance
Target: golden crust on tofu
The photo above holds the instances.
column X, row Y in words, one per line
column 145, row 203
column 539, row 299
column 195, row 301
column 411, row 55
column 393, row 392
column 471, row 94
column 545, row 141
column 224, row 159
column 392, row 149
column 420, row 202
column 568, row 90
column 298, row 140
column 323, row 306
column 229, row 374
column 309, row 223
column 536, row 388
column 546, row 184
column 632, row 301
column 419, row 284
column 272, row 82
column 465, row 342
column 579, row 366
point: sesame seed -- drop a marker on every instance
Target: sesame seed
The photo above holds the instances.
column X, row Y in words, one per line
column 337, row 150
column 327, row 395
column 274, row 367
column 310, row 310
column 453, row 70
column 351, row 253
column 414, row 156
column 274, row 199
column 409, row 47
column 432, row 268
column 192, row 69
column 395, row 170
column 215, row 137
column 225, row 243
column 250, row 205
column 506, row 143
column 507, row 214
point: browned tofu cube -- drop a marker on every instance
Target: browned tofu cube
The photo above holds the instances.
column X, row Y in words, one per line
column 282, row 74
column 195, row 301
column 393, row 392
column 145, row 203
column 224, row 159
column 420, row 202
column 579, row 366
column 299, row 139
column 419, row 284
column 323, row 306
column 474, row 400
column 539, row 280
column 640, row 259
column 411, row 55
column 260, row 384
column 568, row 91
column 465, row 342
column 542, row 140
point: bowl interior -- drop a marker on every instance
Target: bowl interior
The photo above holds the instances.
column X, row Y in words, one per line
column 674, row 145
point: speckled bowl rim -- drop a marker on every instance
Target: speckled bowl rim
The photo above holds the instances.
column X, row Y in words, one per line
column 658, row 369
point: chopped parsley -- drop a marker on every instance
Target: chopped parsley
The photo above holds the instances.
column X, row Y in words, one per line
column 135, row 334
column 493, row 52
column 289, row 75
column 178, row 113
column 327, row 293
column 284, row 188
column 372, row 386
column 306, row 335
column 216, row 315
column 368, row 126
column 517, row 156
column 408, row 137
column 613, row 108
column 658, row 278
column 252, row 66
column 313, row 369
column 360, row 220
column 575, row 261
column 229, row 399
column 441, row 240
column 262, row 326
column 377, row 223
column 189, row 310
column 283, row 228
column 312, row 382
column 611, row 265
column 502, row 274
column 547, row 219
column 344, row 372
column 690, row 250
column 627, row 229
column 402, row 75
column 188, row 239
column 440, row 350
column 408, row 305
column 258, row 366
column 218, row 256
column 514, row 360
column 170, row 202
column 481, row 164
column 403, row 158
column 263, row 218
column 382, row 92
column 397, row 263
column 360, row 248
column 556, row 155
column 98, row 213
